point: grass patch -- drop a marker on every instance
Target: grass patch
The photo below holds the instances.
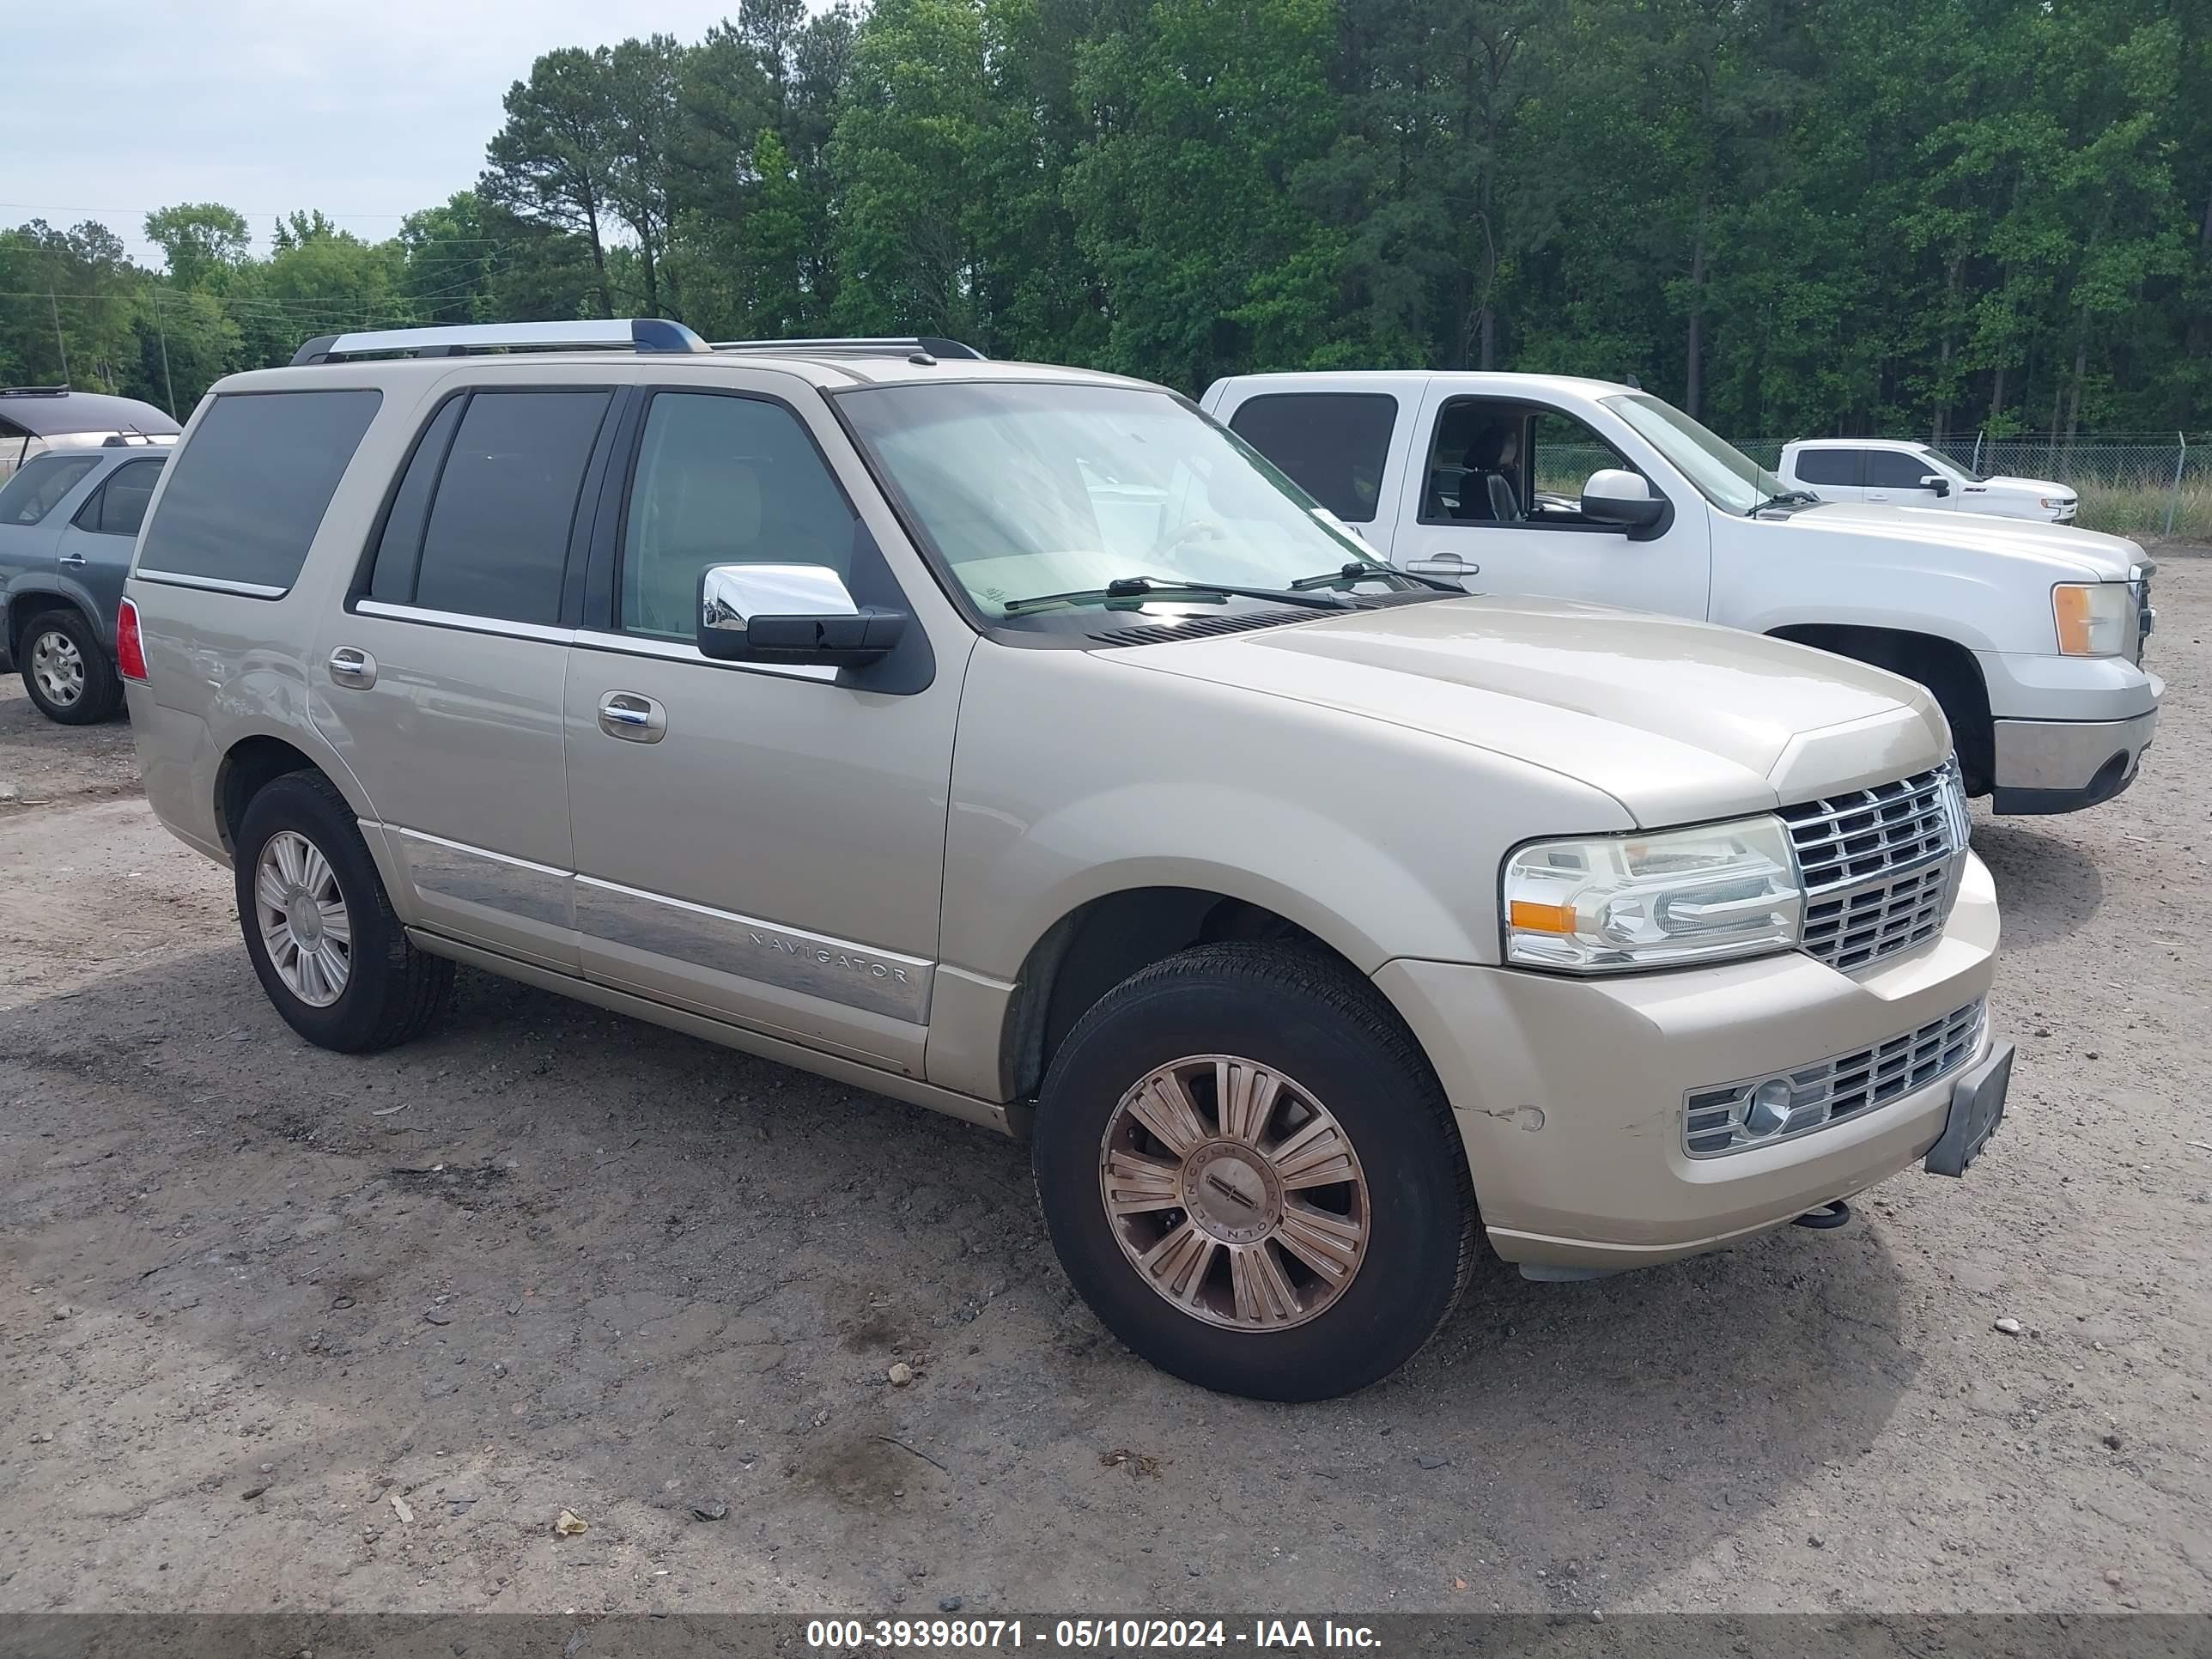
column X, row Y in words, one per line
column 2141, row 513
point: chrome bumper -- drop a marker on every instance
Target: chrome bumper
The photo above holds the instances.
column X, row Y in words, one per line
column 2058, row 766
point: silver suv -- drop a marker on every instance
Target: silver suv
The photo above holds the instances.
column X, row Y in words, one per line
column 1015, row 741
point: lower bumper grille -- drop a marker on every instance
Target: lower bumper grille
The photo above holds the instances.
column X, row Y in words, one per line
column 1735, row 1117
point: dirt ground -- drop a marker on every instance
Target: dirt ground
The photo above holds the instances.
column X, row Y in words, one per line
column 286, row 1329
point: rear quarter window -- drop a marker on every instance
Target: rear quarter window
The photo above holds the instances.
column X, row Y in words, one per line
column 248, row 490
column 1333, row 444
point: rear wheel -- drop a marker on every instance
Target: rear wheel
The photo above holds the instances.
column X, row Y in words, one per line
column 1251, row 1175
column 66, row 672
column 330, row 951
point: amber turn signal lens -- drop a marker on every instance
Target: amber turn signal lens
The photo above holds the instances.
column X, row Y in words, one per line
column 1542, row 918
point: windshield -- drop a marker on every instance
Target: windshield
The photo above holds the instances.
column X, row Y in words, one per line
column 1031, row 489
column 1948, row 467
column 1723, row 474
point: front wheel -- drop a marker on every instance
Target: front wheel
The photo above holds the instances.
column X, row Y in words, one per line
column 1251, row 1175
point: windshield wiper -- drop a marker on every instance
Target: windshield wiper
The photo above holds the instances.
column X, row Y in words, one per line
column 1787, row 498
column 1148, row 587
column 1355, row 570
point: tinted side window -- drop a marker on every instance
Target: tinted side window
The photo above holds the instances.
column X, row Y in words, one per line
column 252, row 484
column 1333, row 444
column 497, row 538
column 399, row 549
column 37, row 488
column 118, row 506
column 722, row 481
column 1830, row 467
column 1888, row 470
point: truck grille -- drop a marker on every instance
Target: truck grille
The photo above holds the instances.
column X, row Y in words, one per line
column 1724, row 1119
column 1879, row 866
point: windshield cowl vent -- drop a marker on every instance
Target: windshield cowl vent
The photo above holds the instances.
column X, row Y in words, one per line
column 1193, row 627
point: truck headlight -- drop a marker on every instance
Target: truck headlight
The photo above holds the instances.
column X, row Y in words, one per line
column 1606, row 904
column 2092, row 617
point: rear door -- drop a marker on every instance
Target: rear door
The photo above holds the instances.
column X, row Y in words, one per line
column 1337, row 445
column 1832, row 472
column 93, row 554
column 440, row 680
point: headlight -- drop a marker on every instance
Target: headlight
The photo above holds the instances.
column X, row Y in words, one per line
column 2053, row 502
column 2092, row 617
column 1609, row 902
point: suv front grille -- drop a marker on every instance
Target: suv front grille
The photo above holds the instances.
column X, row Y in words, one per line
column 1716, row 1120
column 1879, row 866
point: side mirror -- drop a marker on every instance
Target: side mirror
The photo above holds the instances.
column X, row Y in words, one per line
column 1938, row 482
column 1615, row 495
column 790, row 613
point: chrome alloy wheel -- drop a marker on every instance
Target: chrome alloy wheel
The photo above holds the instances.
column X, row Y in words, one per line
column 302, row 917
column 59, row 667
column 1234, row 1192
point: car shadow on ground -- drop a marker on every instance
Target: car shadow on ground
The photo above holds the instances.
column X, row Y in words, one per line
column 676, row 1274
column 2047, row 887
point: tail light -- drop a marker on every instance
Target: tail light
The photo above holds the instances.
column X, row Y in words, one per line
column 130, row 648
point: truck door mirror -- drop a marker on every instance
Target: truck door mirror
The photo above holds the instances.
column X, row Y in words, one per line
column 1615, row 495
column 790, row 613
column 1938, row 482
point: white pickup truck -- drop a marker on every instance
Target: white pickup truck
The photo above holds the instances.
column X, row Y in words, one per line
column 1897, row 472
column 2030, row 635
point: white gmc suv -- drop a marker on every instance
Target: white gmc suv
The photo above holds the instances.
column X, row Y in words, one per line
column 2030, row 635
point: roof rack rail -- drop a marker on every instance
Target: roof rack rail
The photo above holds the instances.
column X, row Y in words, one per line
column 613, row 334
column 61, row 391
column 935, row 345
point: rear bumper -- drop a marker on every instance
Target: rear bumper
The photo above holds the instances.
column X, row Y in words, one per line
column 1570, row 1094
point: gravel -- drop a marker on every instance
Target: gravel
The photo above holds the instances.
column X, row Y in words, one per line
column 700, row 1268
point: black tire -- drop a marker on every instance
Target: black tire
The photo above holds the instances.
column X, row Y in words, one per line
column 1335, row 1036
column 103, row 687
column 392, row 991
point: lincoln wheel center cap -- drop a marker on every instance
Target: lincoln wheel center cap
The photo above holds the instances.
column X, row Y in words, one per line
column 1230, row 1192
column 305, row 918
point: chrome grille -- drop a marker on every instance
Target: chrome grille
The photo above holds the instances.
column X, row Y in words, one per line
column 1714, row 1120
column 1879, row 866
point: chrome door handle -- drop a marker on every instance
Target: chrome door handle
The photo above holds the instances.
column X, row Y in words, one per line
column 72, row 558
column 1445, row 564
column 633, row 718
column 352, row 667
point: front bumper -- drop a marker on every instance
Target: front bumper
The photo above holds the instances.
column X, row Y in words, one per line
column 2062, row 766
column 1569, row 1093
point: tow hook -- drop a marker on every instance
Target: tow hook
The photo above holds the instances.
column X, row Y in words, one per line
column 1829, row 1217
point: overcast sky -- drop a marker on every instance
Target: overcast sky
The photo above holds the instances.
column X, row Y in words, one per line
column 367, row 109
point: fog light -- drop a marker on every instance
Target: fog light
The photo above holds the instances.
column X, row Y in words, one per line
column 1768, row 1113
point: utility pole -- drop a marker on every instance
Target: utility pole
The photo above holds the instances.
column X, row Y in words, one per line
column 168, row 386
column 56, row 307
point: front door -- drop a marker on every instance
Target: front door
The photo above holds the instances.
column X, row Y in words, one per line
column 1895, row 478
column 763, row 846
column 440, row 682
column 1495, row 503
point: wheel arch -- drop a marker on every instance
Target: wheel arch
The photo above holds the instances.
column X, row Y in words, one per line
column 253, row 759
column 25, row 602
column 1104, row 940
column 1947, row 668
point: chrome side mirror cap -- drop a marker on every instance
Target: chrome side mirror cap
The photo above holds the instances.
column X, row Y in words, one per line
column 790, row 613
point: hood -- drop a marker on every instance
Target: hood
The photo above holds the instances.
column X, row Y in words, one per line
column 2059, row 551
column 2037, row 486
column 1677, row 721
